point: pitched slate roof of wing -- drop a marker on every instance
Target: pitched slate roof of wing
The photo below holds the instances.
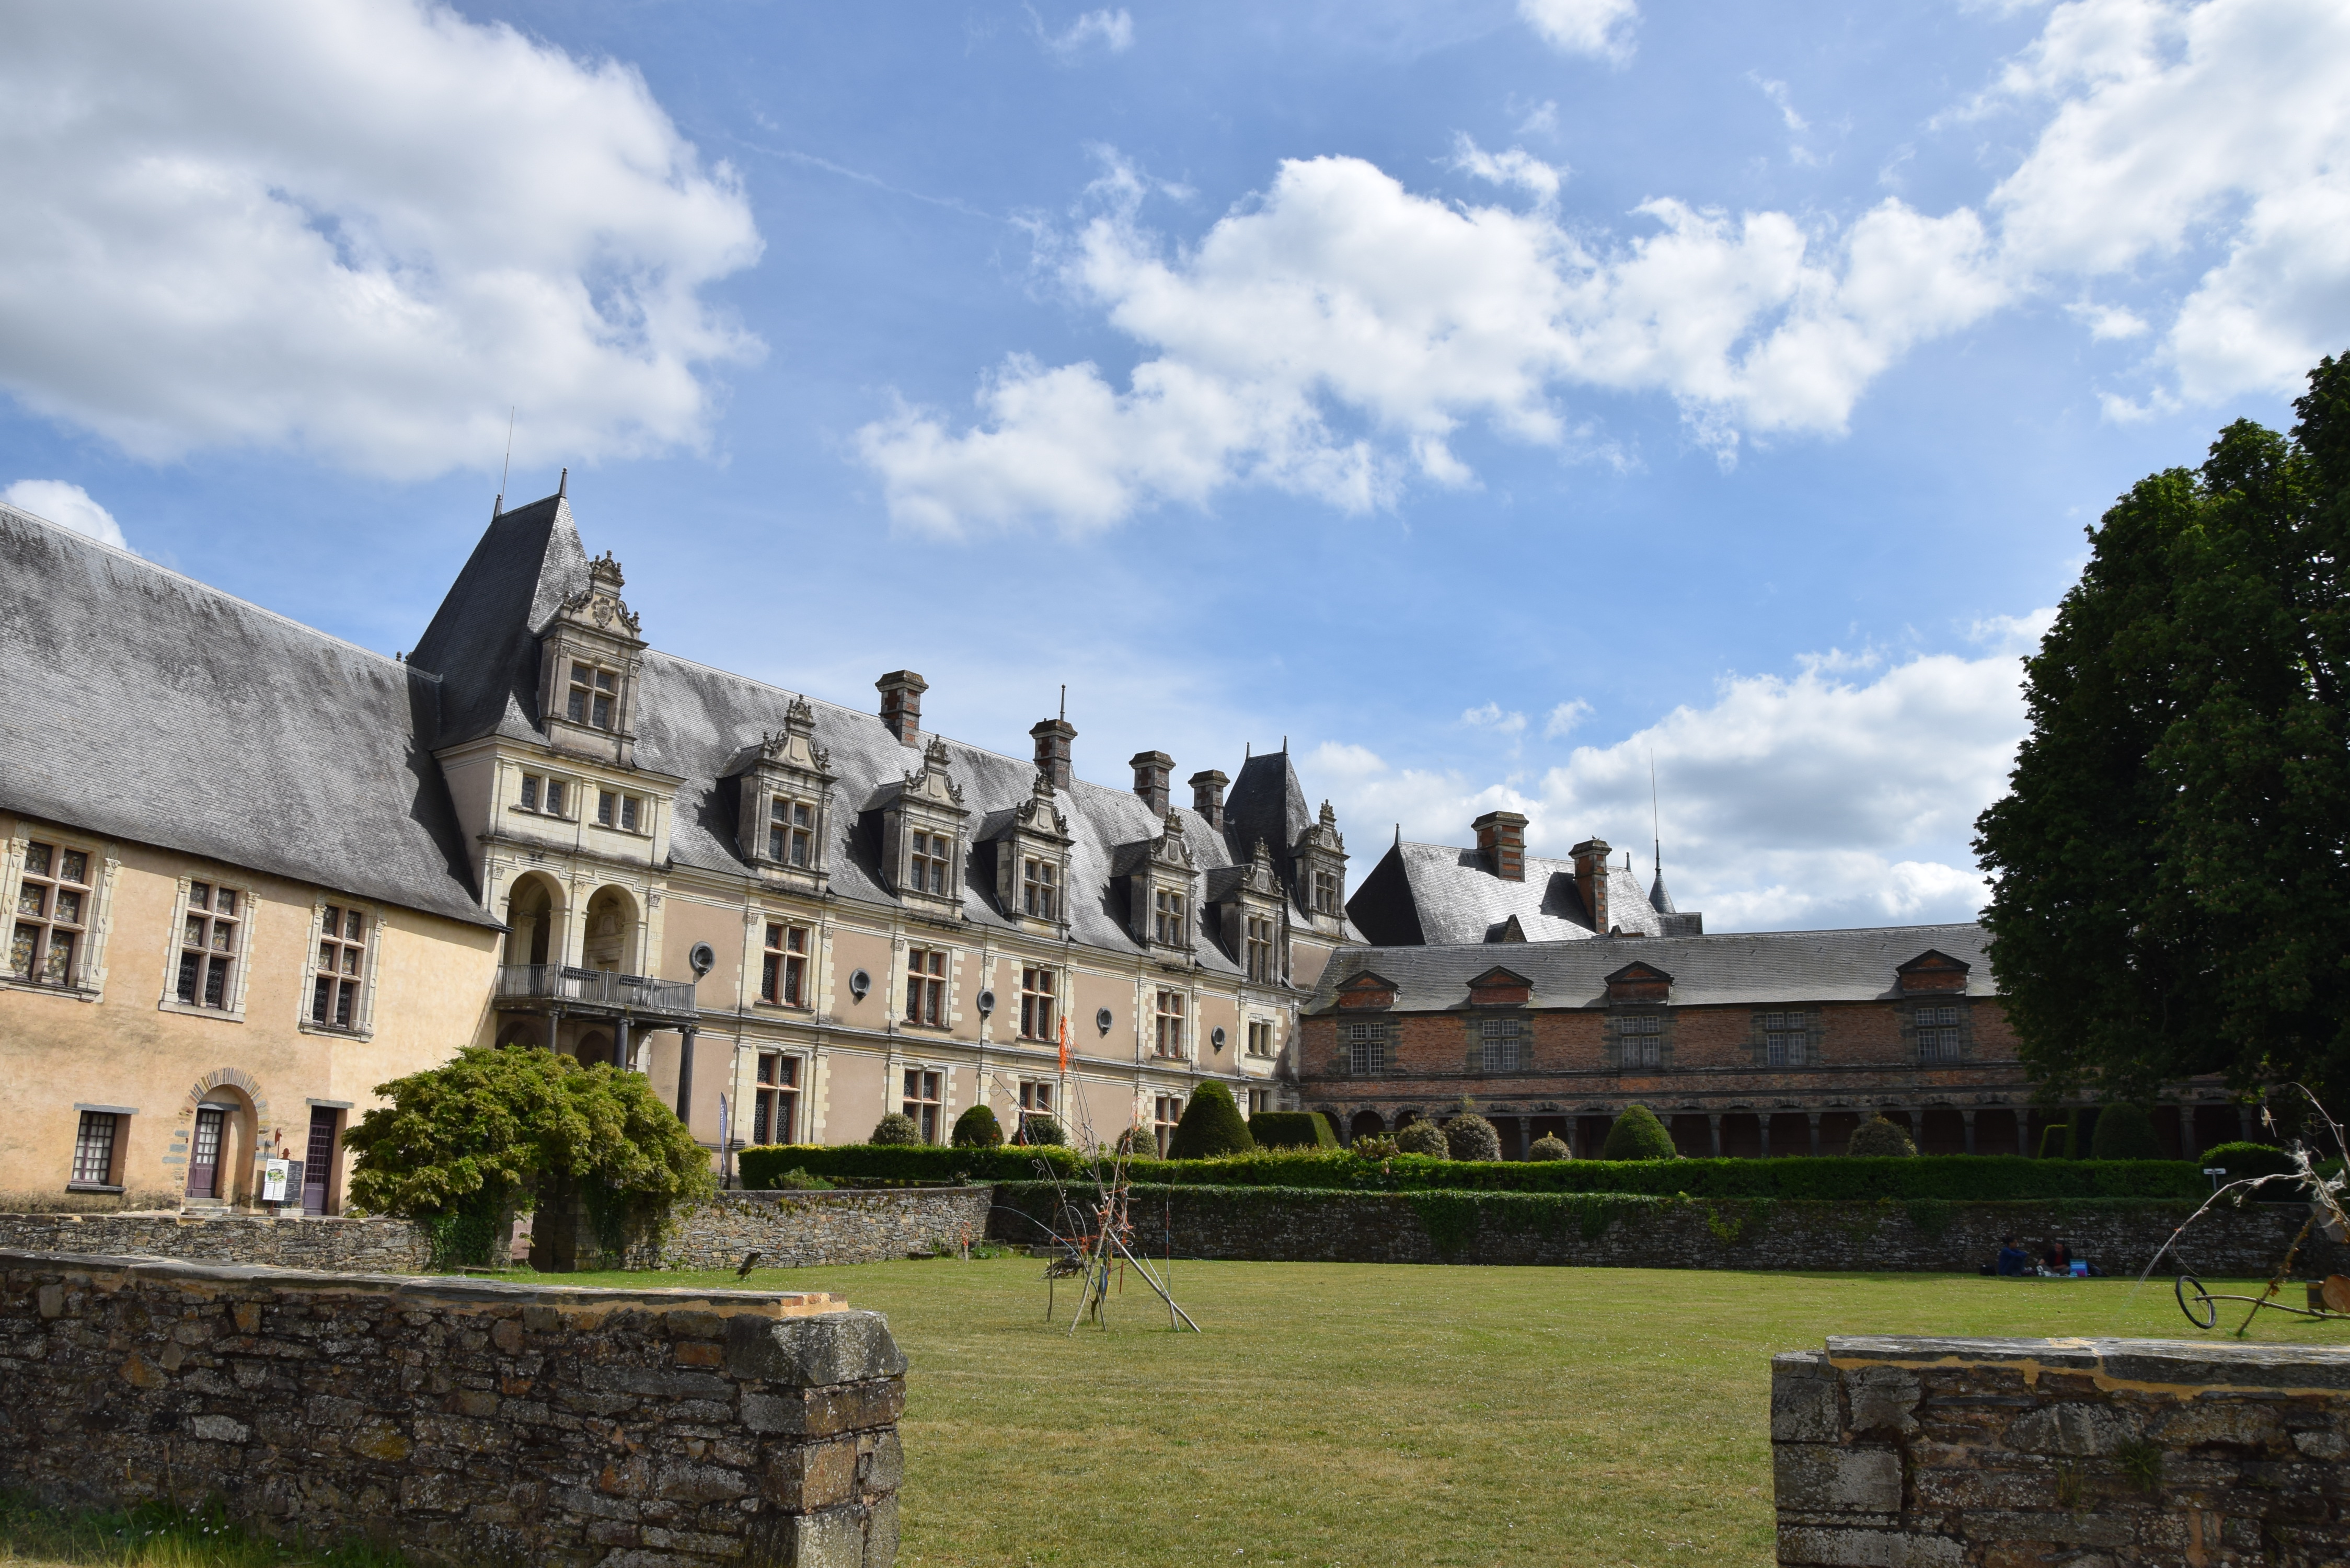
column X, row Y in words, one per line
column 144, row 706
column 483, row 639
column 1749, row 966
column 1449, row 896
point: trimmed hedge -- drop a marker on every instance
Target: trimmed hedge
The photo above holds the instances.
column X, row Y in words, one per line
column 978, row 1128
column 1211, row 1126
column 1637, row 1134
column 1292, row 1129
column 2125, row 1132
column 1961, row 1178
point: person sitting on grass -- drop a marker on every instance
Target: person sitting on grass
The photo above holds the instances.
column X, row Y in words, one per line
column 2057, row 1261
column 2013, row 1258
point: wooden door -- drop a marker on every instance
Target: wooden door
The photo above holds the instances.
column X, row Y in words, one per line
column 321, row 1160
column 204, row 1153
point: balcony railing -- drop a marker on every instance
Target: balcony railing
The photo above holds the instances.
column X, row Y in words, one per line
column 595, row 988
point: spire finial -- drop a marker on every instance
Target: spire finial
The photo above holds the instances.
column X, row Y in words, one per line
column 562, row 485
column 1065, row 702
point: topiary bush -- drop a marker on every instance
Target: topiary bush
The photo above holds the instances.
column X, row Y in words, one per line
column 2243, row 1159
column 1422, row 1137
column 1550, row 1145
column 1877, row 1138
column 1138, row 1140
column 1041, row 1127
column 1471, row 1137
column 1292, row 1129
column 1210, row 1126
column 797, row 1179
column 1373, row 1146
column 2125, row 1132
column 895, row 1130
column 1639, row 1134
column 977, row 1128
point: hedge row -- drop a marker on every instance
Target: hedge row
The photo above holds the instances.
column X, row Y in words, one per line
column 1957, row 1178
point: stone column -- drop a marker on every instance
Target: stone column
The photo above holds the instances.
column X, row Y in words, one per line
column 1968, row 1117
column 1814, row 1117
column 2187, row 1149
column 1713, row 1123
column 2245, row 1126
column 1525, row 1136
column 685, row 1076
column 1762, row 1120
column 620, row 1043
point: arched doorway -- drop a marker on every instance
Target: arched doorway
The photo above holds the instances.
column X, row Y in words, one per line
column 593, row 1047
column 521, row 1031
column 611, row 935
column 1366, row 1124
column 534, row 914
column 219, row 1146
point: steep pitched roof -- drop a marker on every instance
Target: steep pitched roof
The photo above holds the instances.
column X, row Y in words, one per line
column 484, row 640
column 147, row 707
column 1267, row 803
column 1448, row 895
column 1747, row 967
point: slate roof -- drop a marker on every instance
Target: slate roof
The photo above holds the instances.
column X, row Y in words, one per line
column 1435, row 893
column 144, row 706
column 1740, row 968
column 484, row 640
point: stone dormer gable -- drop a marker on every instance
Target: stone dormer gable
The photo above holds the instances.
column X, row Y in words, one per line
column 1509, row 930
column 1247, row 901
column 1160, row 878
column 1032, row 845
column 591, row 656
column 784, row 790
column 1637, row 982
column 1932, row 971
column 1499, row 987
column 1320, row 856
column 924, row 838
column 1366, row 990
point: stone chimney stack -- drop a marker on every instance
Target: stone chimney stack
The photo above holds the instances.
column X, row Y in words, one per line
column 1501, row 839
column 902, row 705
column 1590, row 881
column 1053, row 737
column 1153, row 772
column 1208, row 797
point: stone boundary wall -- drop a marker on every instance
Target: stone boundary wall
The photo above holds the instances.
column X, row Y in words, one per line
column 462, row 1421
column 795, row 1230
column 368, row 1246
column 2006, row 1453
column 1927, row 1236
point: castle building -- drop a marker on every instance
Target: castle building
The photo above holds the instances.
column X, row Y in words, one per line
column 1551, row 994
column 256, row 871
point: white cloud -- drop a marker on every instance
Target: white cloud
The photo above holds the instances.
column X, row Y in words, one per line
column 1492, row 717
column 2107, row 322
column 364, row 230
column 68, row 504
column 1565, row 717
column 1541, row 121
column 1113, row 30
column 1807, row 801
column 1517, row 167
column 1340, row 297
column 1600, row 28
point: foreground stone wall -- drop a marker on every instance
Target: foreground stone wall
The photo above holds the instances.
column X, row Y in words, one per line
column 2004, row 1453
column 795, row 1230
column 462, row 1421
column 1594, row 1230
column 368, row 1246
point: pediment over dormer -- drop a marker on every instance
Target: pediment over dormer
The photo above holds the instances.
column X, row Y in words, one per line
column 1932, row 971
column 1638, row 982
column 1499, row 987
column 1366, row 990
column 783, row 801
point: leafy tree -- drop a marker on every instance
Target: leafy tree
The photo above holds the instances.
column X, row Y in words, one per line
column 2125, row 1132
column 897, row 1129
column 1211, row 1126
column 1471, row 1137
column 1877, row 1138
column 497, row 1132
column 1639, row 1134
column 977, row 1128
column 1422, row 1137
column 2170, row 894
column 1549, row 1147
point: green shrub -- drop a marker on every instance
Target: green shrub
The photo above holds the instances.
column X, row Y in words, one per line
column 1549, row 1147
column 1639, row 1134
column 1041, row 1127
column 1373, row 1146
column 797, row 1179
column 896, row 1129
column 2243, row 1159
column 1423, row 1137
column 1471, row 1137
column 1877, row 1138
column 2125, row 1132
column 1138, row 1140
column 977, row 1128
column 1292, row 1129
column 1210, row 1126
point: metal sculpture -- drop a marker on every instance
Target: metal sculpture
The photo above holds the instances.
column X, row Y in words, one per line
column 2329, row 1301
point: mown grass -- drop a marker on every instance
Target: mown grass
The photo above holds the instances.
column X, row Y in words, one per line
column 156, row 1536
column 1344, row 1415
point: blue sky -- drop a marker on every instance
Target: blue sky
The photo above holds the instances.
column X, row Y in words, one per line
column 1488, row 398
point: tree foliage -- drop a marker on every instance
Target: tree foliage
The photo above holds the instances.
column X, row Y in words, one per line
column 977, row 1128
column 1639, row 1134
column 1211, row 1126
column 1422, row 1137
column 503, row 1130
column 1471, row 1137
column 2125, row 1132
column 2172, row 866
column 1877, row 1138
column 1549, row 1147
column 896, row 1128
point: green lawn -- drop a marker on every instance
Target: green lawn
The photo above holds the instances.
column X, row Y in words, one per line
column 1358, row 1414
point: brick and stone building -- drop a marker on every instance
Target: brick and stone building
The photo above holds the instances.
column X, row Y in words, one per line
column 255, row 871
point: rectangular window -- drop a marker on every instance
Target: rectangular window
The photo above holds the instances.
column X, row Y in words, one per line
column 1260, row 949
column 922, row 1104
column 1938, row 1033
column 530, row 783
column 926, row 862
column 93, row 1160
column 775, row 1104
column 342, row 969
column 592, row 694
column 606, row 803
column 926, row 987
column 791, row 831
column 1038, row 1004
column 1326, row 892
column 1501, row 1049
column 783, row 976
column 1260, row 1039
column 1366, row 1048
column 1166, row 1110
column 1170, row 1023
column 1167, row 918
column 53, row 908
column 1260, row 1101
column 629, row 806
column 1642, row 1037
column 208, row 945
column 555, row 797
column 1040, row 889
column 1036, row 1095
column 1784, row 1036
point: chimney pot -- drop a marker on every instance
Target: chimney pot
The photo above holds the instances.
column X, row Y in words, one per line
column 1052, row 759
column 1501, row 839
column 1591, row 870
column 902, row 705
column 1208, row 796
column 1152, row 772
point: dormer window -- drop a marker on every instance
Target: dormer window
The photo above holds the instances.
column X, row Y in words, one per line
column 589, row 659
column 593, row 693
column 922, row 837
column 791, row 832
column 1031, row 847
column 785, row 804
column 1040, row 893
column 1259, row 946
column 927, row 857
column 1326, row 893
column 1167, row 918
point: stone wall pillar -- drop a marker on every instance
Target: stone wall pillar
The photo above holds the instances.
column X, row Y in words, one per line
column 1762, row 1121
column 1814, row 1117
column 1968, row 1117
column 2187, row 1149
column 1713, row 1125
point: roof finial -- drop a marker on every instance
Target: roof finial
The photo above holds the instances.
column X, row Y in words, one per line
column 1284, row 745
column 1398, row 835
column 562, row 485
column 1656, row 822
column 1065, row 702
column 498, row 507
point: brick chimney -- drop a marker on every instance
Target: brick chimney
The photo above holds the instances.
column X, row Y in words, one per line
column 1153, row 771
column 1053, row 737
column 1591, row 881
column 1501, row 839
column 1208, row 797
column 902, row 705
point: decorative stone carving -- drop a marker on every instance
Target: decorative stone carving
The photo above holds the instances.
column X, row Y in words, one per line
column 783, row 814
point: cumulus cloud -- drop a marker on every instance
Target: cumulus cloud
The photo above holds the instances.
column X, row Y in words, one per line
column 1517, row 167
column 1599, row 28
column 68, row 504
column 1492, row 717
column 1815, row 800
column 1112, row 30
column 1566, row 718
column 365, row 230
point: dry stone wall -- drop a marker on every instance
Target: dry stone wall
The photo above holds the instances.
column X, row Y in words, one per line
column 367, row 1246
column 795, row 1230
column 462, row 1421
column 2012, row 1453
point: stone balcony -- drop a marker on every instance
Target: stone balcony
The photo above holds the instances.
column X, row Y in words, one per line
column 564, row 989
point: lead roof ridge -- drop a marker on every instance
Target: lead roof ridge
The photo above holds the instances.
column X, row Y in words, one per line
column 1582, row 943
